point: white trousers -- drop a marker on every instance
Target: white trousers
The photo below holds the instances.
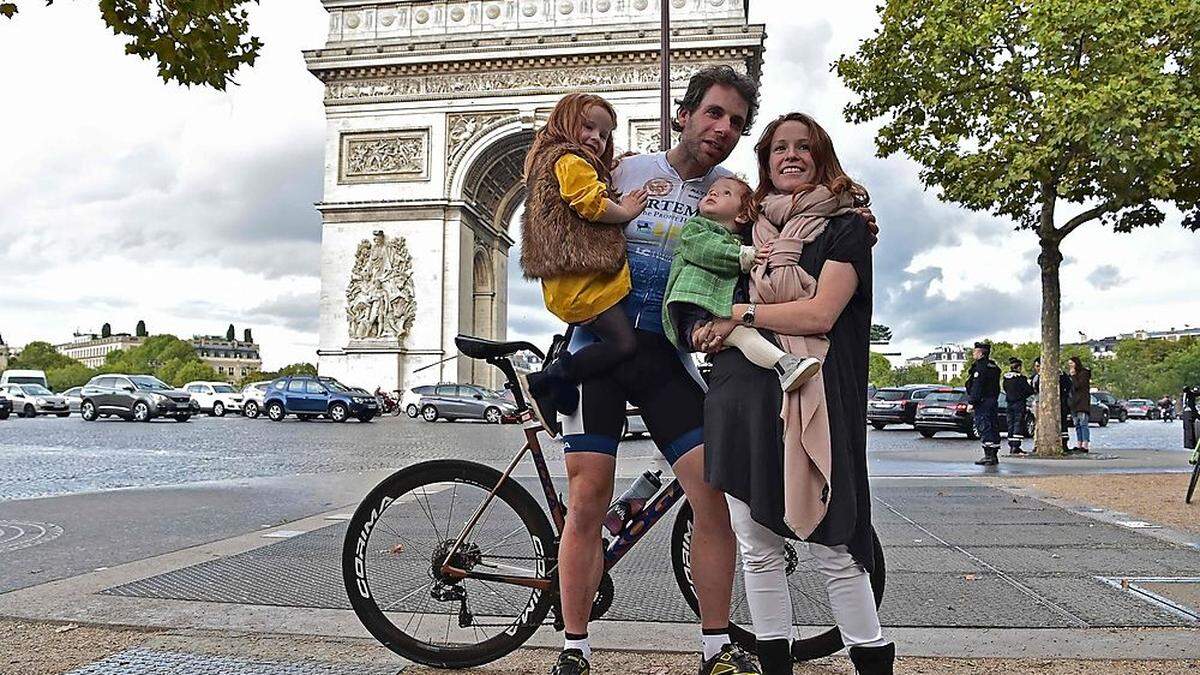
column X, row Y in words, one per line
column 764, row 566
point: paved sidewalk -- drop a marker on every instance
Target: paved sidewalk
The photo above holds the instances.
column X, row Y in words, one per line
column 974, row 571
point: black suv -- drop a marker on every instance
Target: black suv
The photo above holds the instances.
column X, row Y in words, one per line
column 897, row 405
column 134, row 397
column 1117, row 410
column 5, row 407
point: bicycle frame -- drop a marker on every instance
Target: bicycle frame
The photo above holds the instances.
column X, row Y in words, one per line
column 634, row 529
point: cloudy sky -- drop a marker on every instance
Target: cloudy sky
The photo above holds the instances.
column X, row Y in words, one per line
column 123, row 199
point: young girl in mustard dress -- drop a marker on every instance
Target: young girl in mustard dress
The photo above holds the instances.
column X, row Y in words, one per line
column 573, row 240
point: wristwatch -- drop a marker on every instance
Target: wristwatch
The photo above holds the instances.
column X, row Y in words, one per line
column 748, row 315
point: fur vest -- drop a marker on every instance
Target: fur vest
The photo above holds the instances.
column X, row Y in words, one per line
column 555, row 240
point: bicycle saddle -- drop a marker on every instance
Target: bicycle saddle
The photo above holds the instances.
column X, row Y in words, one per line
column 478, row 348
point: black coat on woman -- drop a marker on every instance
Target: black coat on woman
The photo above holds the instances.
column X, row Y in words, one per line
column 743, row 433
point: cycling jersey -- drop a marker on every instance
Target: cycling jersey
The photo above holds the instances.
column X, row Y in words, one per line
column 651, row 237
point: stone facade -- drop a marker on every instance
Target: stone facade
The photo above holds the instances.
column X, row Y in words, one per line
column 91, row 350
column 430, row 107
column 232, row 359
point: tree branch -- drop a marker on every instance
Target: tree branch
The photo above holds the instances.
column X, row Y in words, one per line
column 1090, row 214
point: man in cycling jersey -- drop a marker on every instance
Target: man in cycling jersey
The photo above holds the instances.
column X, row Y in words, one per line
column 715, row 112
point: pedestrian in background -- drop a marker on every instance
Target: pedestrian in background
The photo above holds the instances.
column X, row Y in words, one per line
column 983, row 392
column 1017, row 391
column 1081, row 403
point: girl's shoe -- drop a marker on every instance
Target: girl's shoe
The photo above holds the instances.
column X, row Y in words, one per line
column 794, row 371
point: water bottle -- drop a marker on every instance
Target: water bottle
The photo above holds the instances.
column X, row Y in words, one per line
column 632, row 501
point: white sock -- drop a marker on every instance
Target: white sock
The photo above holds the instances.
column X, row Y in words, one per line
column 581, row 644
column 713, row 643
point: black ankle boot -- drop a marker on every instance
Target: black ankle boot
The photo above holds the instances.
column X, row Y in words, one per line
column 817, row 646
column 774, row 657
column 874, row 660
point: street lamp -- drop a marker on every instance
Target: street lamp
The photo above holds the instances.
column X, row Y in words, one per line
column 664, row 129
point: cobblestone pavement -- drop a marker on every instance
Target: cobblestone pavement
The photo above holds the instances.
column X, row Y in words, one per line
column 44, row 457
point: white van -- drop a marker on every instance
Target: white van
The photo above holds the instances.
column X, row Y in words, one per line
column 24, row 377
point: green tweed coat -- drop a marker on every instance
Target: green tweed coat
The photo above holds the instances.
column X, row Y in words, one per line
column 704, row 272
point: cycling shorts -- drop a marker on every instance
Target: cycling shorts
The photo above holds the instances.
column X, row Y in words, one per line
column 660, row 380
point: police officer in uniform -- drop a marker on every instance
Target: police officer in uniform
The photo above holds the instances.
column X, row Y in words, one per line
column 1017, row 391
column 1064, row 400
column 983, row 392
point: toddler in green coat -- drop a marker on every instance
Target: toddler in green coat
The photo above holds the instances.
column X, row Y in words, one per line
column 708, row 260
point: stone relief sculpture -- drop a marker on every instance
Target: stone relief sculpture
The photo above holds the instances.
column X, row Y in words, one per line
column 380, row 303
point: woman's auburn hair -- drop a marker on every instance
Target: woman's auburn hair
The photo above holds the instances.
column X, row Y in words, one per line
column 563, row 127
column 829, row 171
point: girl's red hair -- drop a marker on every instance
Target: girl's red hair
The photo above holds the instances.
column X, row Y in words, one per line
column 563, row 127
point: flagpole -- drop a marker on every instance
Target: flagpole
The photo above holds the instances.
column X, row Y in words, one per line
column 664, row 129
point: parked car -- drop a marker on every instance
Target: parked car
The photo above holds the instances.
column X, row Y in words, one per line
column 309, row 397
column 252, row 398
column 1098, row 413
column 945, row 409
column 31, row 400
column 464, row 401
column 5, row 406
column 215, row 398
column 15, row 376
column 411, row 399
column 73, row 398
column 1117, row 409
column 134, row 397
column 1142, row 408
column 897, row 405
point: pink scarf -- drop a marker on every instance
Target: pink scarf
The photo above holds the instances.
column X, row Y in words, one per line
column 791, row 222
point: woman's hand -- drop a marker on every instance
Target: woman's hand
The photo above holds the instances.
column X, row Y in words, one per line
column 617, row 160
column 872, row 225
column 710, row 337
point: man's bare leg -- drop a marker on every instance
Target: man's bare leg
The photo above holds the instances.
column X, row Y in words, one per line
column 580, row 558
column 712, row 542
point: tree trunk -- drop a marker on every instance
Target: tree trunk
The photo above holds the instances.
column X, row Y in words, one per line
column 1049, row 408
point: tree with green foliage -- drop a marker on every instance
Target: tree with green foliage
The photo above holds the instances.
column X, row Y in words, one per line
column 65, row 377
column 879, row 370
column 292, row 369
column 40, row 355
column 880, row 333
column 168, row 358
column 924, row 373
column 1025, row 108
column 140, row 331
column 194, row 42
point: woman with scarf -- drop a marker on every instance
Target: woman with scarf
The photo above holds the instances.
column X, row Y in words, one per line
column 794, row 466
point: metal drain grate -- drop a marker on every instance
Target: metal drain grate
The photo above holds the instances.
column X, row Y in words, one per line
column 1177, row 595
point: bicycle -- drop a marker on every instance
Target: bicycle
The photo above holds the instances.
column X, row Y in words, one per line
column 481, row 587
column 1191, row 437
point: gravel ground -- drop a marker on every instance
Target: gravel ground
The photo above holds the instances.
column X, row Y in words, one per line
column 1155, row 497
column 51, row 649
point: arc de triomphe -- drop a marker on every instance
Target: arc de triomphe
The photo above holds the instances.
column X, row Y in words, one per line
column 430, row 107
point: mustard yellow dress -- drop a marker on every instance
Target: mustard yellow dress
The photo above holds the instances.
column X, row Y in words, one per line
column 578, row 298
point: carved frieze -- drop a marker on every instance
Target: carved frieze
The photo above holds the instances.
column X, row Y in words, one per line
column 501, row 82
column 384, row 156
column 644, row 136
column 462, row 129
column 380, row 301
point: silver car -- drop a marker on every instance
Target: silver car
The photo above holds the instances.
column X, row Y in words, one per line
column 465, row 401
column 31, row 400
column 73, row 398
